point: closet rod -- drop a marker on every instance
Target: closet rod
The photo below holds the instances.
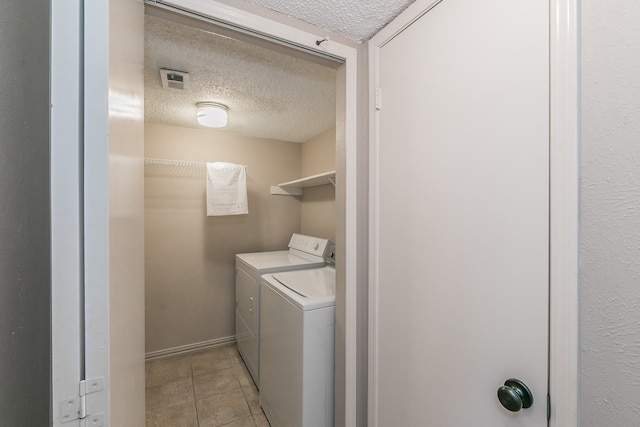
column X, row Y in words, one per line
column 179, row 163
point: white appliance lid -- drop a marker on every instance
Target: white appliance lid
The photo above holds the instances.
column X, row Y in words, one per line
column 304, row 252
column 314, row 283
column 264, row 261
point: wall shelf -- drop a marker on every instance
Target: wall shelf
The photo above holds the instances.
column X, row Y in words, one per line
column 294, row 188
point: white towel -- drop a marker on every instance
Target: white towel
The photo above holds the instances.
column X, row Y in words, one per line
column 226, row 189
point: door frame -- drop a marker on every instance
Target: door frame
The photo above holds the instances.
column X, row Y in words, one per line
column 563, row 201
column 347, row 171
column 67, row 339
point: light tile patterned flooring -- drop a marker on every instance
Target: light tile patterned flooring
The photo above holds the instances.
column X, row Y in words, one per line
column 207, row 388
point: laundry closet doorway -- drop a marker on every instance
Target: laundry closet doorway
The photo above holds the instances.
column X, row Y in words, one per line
column 111, row 181
column 281, row 127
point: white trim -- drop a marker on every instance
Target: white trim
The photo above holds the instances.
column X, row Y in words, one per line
column 96, row 203
column 564, row 215
column 66, row 307
column 404, row 20
column 374, row 285
column 174, row 351
column 564, row 206
column 242, row 18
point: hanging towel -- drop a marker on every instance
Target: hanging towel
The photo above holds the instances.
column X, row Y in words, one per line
column 226, row 189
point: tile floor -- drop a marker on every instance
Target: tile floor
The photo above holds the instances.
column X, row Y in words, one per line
column 207, row 388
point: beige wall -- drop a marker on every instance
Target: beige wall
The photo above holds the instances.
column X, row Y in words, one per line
column 318, row 209
column 319, row 154
column 190, row 257
column 125, row 142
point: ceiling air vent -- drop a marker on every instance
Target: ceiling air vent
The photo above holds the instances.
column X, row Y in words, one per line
column 174, row 79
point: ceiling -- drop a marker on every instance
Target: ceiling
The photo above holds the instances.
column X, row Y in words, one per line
column 271, row 92
column 357, row 20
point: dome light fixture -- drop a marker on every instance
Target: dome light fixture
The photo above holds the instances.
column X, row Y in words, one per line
column 212, row 114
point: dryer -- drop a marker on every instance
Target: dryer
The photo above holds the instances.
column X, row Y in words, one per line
column 297, row 347
column 304, row 252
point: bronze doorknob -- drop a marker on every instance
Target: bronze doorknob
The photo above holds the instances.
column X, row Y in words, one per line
column 515, row 395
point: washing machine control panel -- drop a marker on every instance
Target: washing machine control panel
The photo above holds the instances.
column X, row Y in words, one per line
column 311, row 245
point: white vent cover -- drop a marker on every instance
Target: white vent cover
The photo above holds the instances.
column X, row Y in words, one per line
column 174, row 79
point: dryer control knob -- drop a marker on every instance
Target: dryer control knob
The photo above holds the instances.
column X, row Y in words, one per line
column 316, row 245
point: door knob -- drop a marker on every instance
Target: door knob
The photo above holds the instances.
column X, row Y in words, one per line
column 515, row 395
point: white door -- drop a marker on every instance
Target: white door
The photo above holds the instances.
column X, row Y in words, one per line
column 460, row 214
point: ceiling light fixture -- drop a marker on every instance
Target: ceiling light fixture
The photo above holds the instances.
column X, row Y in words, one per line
column 212, row 114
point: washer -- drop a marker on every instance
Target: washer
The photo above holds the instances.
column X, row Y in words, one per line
column 297, row 347
column 304, row 252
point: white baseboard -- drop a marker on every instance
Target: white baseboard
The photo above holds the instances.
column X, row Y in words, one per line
column 174, row 351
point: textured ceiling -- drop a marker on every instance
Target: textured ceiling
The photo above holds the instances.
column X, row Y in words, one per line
column 269, row 94
column 358, row 20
